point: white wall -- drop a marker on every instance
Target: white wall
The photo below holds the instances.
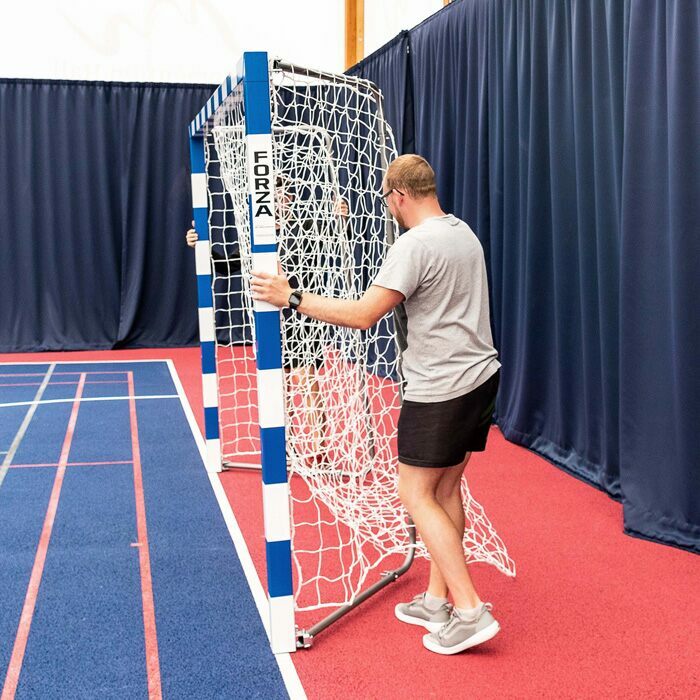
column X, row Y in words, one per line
column 183, row 40
column 384, row 19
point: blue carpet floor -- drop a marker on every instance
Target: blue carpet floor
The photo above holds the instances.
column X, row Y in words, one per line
column 87, row 633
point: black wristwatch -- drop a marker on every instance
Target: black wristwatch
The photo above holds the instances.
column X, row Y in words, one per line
column 295, row 298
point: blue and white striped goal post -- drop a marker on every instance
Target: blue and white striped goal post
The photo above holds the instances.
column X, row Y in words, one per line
column 253, row 79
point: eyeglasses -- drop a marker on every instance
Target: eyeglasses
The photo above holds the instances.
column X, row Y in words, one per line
column 386, row 194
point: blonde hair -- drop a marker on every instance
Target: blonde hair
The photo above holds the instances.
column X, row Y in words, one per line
column 412, row 175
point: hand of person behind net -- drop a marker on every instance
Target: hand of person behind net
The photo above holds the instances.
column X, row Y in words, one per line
column 191, row 237
column 340, row 207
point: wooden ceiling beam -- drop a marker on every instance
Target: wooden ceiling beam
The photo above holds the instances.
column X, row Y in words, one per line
column 354, row 31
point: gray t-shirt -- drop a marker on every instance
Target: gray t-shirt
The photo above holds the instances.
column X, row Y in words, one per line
column 439, row 267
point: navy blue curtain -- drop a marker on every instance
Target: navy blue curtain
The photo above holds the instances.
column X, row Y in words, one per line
column 390, row 69
column 660, row 274
column 95, row 195
column 533, row 164
column 566, row 133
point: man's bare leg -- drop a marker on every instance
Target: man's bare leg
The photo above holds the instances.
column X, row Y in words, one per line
column 418, row 487
column 449, row 496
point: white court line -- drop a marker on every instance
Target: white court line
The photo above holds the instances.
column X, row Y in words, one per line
column 284, row 661
column 10, row 454
column 93, row 398
column 89, row 398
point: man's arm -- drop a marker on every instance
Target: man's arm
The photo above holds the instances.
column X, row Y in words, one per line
column 362, row 313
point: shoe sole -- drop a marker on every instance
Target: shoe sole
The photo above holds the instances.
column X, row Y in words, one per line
column 479, row 638
column 425, row 624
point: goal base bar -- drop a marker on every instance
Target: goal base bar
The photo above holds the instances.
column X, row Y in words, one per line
column 227, row 465
column 305, row 637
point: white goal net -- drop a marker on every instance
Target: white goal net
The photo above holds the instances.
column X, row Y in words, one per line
column 331, row 147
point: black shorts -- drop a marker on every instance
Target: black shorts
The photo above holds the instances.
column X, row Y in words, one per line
column 440, row 434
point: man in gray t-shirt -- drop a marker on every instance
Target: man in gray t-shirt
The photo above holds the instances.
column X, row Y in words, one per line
column 450, row 366
column 438, row 266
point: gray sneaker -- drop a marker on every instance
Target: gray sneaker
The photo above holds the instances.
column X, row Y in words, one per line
column 461, row 633
column 417, row 613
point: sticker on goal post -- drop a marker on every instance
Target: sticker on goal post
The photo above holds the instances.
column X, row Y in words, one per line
column 261, row 187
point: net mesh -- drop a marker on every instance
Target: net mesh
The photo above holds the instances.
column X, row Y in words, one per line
column 331, row 146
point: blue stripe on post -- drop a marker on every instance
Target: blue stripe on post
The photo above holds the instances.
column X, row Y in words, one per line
column 274, row 455
column 257, row 93
column 204, row 294
column 267, row 248
column 201, row 223
column 257, row 104
column 197, row 155
column 208, row 357
column 255, row 65
column 267, row 331
column 211, row 422
column 279, row 568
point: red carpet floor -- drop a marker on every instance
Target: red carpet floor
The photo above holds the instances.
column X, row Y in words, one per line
column 592, row 613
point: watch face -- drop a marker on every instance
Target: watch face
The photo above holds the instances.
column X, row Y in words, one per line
column 294, row 299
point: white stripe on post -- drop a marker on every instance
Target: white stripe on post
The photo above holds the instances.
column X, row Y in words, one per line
column 202, row 259
column 271, row 398
column 263, row 306
column 276, row 514
column 260, row 159
column 206, row 325
column 213, row 455
column 282, row 628
column 209, row 390
column 265, row 262
column 199, row 190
